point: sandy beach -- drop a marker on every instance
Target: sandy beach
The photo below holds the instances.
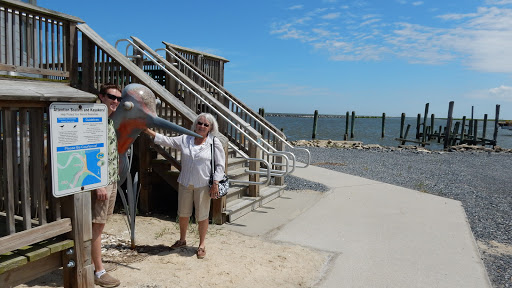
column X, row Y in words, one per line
column 232, row 260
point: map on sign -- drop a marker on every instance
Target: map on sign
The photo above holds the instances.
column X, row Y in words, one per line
column 80, row 168
column 79, row 147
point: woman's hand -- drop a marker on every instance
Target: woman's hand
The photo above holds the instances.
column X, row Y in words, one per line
column 150, row 132
column 214, row 190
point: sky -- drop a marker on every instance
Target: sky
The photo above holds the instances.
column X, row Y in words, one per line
column 334, row 56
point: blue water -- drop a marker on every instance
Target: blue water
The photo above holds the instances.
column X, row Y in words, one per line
column 368, row 130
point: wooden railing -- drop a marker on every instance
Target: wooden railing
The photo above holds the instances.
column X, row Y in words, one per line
column 216, row 89
column 36, row 42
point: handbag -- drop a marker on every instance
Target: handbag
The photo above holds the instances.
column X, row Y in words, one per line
column 224, row 183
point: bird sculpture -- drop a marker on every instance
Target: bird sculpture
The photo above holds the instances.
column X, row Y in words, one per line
column 136, row 112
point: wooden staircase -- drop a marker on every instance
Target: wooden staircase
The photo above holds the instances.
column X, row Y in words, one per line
column 237, row 201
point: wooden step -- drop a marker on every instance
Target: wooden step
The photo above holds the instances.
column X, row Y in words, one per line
column 239, row 207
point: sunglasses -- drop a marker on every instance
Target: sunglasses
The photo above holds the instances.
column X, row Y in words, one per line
column 113, row 97
column 203, row 124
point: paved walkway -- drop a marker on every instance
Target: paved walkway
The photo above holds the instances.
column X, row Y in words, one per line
column 381, row 235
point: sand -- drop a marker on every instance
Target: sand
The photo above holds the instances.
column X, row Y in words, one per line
column 232, row 259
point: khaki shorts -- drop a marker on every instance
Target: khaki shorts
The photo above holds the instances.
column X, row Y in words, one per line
column 102, row 210
column 199, row 198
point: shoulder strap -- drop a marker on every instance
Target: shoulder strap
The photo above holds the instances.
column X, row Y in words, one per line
column 213, row 155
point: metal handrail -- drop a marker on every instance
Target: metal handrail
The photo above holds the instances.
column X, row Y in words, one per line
column 151, row 58
column 242, row 108
column 250, row 171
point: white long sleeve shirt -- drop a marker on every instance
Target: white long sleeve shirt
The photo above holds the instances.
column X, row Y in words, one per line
column 196, row 159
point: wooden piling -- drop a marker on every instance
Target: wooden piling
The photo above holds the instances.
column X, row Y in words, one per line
column 402, row 122
column 496, row 119
column 432, row 123
column 475, row 129
column 315, row 120
column 484, row 128
column 352, row 124
column 383, row 125
column 346, row 126
column 418, row 123
column 423, row 138
column 448, row 125
column 470, row 128
column 439, row 134
column 463, row 131
column 455, row 133
column 406, row 133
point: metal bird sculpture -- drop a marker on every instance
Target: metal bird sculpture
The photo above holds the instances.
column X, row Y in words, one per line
column 136, row 112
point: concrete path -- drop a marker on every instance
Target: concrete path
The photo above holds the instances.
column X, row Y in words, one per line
column 382, row 235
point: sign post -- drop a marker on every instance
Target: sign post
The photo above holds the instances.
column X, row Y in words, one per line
column 79, row 147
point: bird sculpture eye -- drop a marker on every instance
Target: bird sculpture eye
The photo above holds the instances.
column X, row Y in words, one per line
column 128, row 105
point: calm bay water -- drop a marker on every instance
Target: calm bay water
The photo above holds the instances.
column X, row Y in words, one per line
column 368, row 130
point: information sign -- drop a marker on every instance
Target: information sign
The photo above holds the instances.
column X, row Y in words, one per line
column 78, row 146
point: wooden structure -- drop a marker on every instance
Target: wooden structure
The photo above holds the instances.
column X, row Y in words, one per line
column 39, row 233
column 454, row 133
column 40, row 64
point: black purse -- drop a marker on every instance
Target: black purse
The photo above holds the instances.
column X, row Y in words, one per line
column 224, row 183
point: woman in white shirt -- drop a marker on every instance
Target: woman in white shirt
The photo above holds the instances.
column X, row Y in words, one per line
column 195, row 173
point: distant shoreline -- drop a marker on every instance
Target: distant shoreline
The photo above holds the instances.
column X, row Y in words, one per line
column 300, row 115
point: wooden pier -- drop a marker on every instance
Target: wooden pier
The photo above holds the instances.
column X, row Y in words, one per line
column 454, row 133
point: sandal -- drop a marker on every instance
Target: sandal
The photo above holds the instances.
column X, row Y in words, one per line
column 178, row 244
column 201, row 253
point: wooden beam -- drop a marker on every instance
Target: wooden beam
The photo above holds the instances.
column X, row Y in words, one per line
column 31, row 70
column 31, row 270
column 34, row 235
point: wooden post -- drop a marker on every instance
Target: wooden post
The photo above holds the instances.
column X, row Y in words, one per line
column 475, row 129
column 254, row 152
column 352, row 124
column 219, row 205
column 418, row 123
column 463, row 130
column 346, row 126
column 455, row 132
column 439, row 134
column 402, row 123
column 315, row 120
column 170, row 84
column 88, row 65
column 424, row 136
column 78, row 208
column 383, row 125
column 496, row 119
column 432, row 123
column 70, row 37
column 484, row 129
column 406, row 133
column 8, row 173
column 279, row 180
column 470, row 127
column 448, row 125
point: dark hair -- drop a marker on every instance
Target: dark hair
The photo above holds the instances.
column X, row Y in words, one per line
column 106, row 86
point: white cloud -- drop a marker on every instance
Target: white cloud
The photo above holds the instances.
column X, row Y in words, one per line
column 498, row 2
column 417, row 3
column 500, row 94
column 331, row 16
column 296, row 7
column 481, row 40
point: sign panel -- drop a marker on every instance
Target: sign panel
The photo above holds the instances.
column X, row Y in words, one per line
column 79, row 147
